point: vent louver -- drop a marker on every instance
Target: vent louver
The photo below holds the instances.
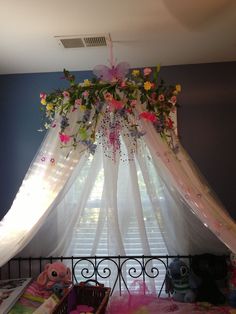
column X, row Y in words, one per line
column 72, row 42
column 83, row 41
column 95, row 41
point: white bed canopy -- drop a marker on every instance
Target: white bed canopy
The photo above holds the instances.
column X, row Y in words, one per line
column 137, row 180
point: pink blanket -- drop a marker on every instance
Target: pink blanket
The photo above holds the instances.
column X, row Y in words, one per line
column 152, row 305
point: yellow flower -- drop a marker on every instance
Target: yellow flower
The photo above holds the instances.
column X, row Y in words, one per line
column 178, row 88
column 82, row 107
column 43, row 101
column 87, row 83
column 135, row 72
column 49, row 106
column 147, row 85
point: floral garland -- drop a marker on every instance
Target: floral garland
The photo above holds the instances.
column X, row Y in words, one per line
column 115, row 92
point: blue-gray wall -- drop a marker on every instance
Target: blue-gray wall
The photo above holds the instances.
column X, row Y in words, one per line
column 206, row 124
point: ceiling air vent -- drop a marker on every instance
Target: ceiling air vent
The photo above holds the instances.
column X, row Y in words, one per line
column 72, row 42
column 83, row 41
column 95, row 41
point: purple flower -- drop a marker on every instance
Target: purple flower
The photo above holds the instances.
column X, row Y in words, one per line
column 64, row 122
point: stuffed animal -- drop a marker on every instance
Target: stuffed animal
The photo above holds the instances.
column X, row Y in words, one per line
column 179, row 283
column 58, row 289
column 210, row 269
column 55, row 277
column 232, row 280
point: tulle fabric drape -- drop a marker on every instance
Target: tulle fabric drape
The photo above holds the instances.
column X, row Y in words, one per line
column 80, row 204
column 43, row 182
column 192, row 188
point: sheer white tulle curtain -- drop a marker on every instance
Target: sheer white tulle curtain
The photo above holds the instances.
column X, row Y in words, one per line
column 44, row 180
column 152, row 201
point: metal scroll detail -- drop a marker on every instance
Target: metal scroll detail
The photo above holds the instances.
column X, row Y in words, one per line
column 122, row 273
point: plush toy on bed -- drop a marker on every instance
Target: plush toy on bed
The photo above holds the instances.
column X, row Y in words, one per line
column 211, row 270
column 179, row 282
column 55, row 277
column 232, row 280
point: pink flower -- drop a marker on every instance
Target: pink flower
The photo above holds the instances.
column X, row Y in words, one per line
column 43, row 95
column 78, row 102
column 154, row 95
column 170, row 123
column 116, row 104
column 161, row 97
column 64, row 138
column 147, row 71
column 133, row 103
column 85, row 93
column 173, row 100
column 66, row 94
column 123, row 84
column 148, row 116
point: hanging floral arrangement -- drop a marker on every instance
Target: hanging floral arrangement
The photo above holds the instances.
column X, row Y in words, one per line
column 111, row 96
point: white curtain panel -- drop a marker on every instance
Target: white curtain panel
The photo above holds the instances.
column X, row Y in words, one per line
column 151, row 201
column 46, row 177
column 183, row 178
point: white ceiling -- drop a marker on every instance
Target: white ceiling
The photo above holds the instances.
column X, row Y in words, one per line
column 143, row 32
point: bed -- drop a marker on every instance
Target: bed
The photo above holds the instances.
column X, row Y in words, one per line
column 137, row 282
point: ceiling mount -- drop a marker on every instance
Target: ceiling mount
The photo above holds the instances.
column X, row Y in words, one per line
column 83, row 41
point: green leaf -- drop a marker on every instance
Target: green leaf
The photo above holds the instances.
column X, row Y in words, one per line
column 83, row 134
column 155, row 77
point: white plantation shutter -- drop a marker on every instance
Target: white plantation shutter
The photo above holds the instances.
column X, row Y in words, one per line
column 84, row 237
column 85, row 230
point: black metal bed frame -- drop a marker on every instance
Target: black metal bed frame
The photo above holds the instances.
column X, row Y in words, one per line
column 119, row 272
